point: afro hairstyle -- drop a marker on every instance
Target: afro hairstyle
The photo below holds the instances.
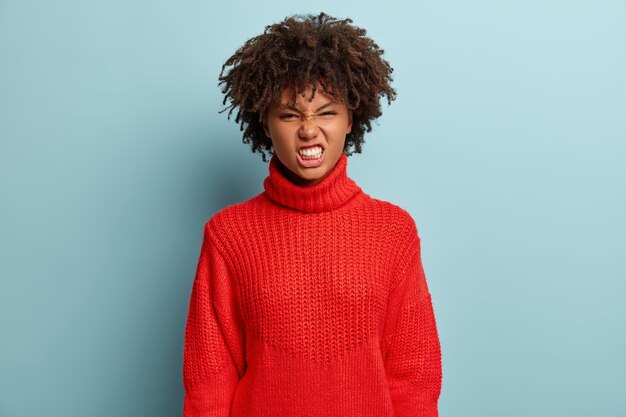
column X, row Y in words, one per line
column 299, row 51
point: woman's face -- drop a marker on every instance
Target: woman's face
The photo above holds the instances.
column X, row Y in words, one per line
column 319, row 125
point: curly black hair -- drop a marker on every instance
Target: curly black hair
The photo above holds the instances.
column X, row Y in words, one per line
column 299, row 51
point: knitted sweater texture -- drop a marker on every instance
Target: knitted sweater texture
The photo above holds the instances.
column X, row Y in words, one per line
column 311, row 301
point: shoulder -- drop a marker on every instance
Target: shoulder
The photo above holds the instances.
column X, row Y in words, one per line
column 396, row 218
column 232, row 219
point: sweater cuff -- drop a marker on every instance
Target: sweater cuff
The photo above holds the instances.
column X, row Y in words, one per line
column 210, row 399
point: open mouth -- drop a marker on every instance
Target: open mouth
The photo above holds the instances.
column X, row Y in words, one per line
column 311, row 157
column 311, row 153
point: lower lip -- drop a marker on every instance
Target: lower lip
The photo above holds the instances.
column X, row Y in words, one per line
column 310, row 163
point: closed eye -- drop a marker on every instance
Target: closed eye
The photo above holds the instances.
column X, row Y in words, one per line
column 290, row 116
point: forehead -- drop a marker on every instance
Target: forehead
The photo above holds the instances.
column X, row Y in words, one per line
column 303, row 98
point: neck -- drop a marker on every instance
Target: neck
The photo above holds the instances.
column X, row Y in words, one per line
column 296, row 179
column 323, row 194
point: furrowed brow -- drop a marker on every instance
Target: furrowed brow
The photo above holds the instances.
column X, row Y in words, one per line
column 289, row 107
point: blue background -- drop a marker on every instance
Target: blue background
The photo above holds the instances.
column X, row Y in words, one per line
column 506, row 144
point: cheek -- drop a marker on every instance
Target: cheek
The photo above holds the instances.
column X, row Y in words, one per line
column 271, row 129
column 340, row 128
column 282, row 136
column 279, row 130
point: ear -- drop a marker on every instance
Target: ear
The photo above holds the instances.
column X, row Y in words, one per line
column 263, row 120
column 349, row 128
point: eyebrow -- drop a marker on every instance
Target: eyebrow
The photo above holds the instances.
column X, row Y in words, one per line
column 287, row 106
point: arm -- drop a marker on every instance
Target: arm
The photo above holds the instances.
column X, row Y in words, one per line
column 214, row 357
column 411, row 348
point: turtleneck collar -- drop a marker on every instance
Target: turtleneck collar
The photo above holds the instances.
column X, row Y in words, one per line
column 331, row 192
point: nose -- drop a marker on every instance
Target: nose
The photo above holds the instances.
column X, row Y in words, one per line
column 308, row 128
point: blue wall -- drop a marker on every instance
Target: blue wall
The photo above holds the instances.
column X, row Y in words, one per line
column 506, row 143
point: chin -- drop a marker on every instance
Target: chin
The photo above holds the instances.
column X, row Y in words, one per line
column 309, row 176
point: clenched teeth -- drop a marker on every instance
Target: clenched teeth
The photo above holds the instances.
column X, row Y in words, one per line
column 314, row 151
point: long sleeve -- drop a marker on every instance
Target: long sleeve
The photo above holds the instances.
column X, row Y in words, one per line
column 214, row 353
column 411, row 347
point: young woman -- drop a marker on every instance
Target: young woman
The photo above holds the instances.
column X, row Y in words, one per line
column 310, row 298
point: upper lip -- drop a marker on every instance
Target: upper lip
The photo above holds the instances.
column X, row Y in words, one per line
column 310, row 146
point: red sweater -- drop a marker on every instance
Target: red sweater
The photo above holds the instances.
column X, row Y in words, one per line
column 311, row 301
